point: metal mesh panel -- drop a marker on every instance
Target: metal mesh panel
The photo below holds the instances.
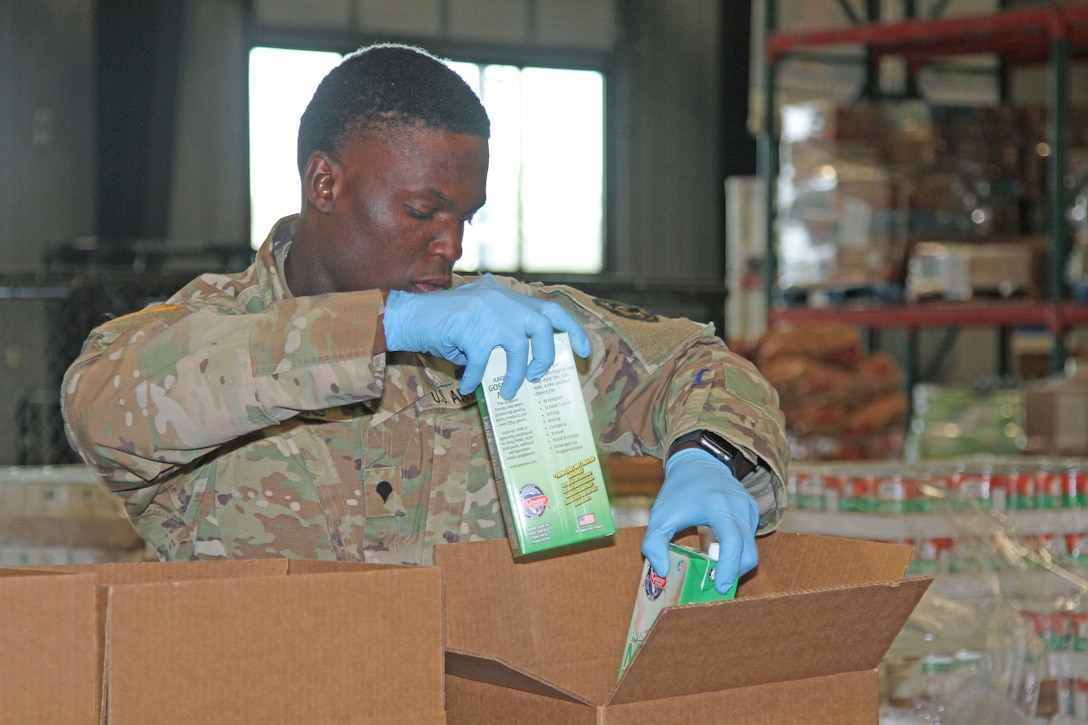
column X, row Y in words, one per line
column 46, row 314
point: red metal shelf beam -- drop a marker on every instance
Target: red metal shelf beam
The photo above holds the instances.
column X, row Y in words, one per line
column 1074, row 314
column 1017, row 35
column 1057, row 318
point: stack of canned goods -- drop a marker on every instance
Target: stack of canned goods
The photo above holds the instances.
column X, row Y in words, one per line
column 1064, row 630
column 1016, row 484
column 953, row 513
column 1044, row 500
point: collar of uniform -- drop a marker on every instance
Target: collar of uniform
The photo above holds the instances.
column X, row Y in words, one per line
column 280, row 251
column 271, row 257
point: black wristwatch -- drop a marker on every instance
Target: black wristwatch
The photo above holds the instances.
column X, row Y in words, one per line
column 720, row 448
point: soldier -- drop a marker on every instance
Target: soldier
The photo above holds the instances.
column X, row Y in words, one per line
column 315, row 405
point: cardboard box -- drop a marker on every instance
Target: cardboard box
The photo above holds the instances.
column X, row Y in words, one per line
column 259, row 641
column 961, row 271
column 1056, row 417
column 542, row 642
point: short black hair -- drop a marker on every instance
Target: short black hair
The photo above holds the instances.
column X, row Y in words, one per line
column 383, row 87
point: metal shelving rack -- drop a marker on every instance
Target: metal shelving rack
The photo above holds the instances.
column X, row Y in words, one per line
column 1051, row 35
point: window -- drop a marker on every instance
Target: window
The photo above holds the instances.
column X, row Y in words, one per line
column 545, row 188
column 281, row 83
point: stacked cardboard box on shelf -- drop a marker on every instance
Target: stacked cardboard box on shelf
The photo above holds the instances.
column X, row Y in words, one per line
column 968, row 186
column 1035, row 159
column 860, row 184
column 962, row 271
column 1056, row 416
column 839, row 203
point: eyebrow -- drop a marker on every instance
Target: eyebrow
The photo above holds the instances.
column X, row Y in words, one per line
column 431, row 190
column 445, row 199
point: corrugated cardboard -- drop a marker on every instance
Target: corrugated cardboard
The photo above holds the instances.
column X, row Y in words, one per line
column 261, row 641
column 542, row 642
column 49, row 640
column 1056, row 417
column 963, row 270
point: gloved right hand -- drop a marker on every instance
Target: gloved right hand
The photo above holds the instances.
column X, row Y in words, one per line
column 464, row 324
column 700, row 491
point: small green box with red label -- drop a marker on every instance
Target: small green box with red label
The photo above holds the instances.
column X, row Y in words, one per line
column 690, row 579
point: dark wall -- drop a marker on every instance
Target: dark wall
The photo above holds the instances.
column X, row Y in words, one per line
column 137, row 66
column 738, row 145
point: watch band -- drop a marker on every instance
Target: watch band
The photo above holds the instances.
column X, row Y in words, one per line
column 720, row 448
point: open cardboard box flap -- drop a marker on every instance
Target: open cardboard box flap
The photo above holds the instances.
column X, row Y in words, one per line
column 558, row 627
column 769, row 639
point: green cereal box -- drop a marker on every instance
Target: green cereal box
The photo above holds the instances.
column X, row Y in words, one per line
column 545, row 458
column 690, row 579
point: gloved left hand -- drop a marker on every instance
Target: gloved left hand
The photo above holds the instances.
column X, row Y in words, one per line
column 464, row 324
column 700, row 491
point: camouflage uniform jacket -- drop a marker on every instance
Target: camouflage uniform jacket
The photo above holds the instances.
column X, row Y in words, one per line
column 239, row 421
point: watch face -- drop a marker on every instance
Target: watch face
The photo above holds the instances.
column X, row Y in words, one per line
column 727, row 453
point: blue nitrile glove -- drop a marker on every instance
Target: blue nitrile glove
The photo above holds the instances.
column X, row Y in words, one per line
column 464, row 324
column 700, row 491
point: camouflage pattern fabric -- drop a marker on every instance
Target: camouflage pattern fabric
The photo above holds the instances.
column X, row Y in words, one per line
column 237, row 421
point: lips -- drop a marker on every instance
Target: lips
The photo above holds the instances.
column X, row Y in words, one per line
column 432, row 285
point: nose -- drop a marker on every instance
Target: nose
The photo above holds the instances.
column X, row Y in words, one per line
column 448, row 242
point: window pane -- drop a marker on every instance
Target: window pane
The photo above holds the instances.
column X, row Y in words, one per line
column 562, row 182
column 492, row 242
column 281, row 83
column 497, row 232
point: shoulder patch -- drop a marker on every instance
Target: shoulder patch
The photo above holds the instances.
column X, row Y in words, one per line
column 651, row 337
column 629, row 312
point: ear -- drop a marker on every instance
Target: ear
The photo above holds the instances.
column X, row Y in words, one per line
column 319, row 181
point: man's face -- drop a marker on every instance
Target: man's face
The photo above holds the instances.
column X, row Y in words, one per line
column 400, row 208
